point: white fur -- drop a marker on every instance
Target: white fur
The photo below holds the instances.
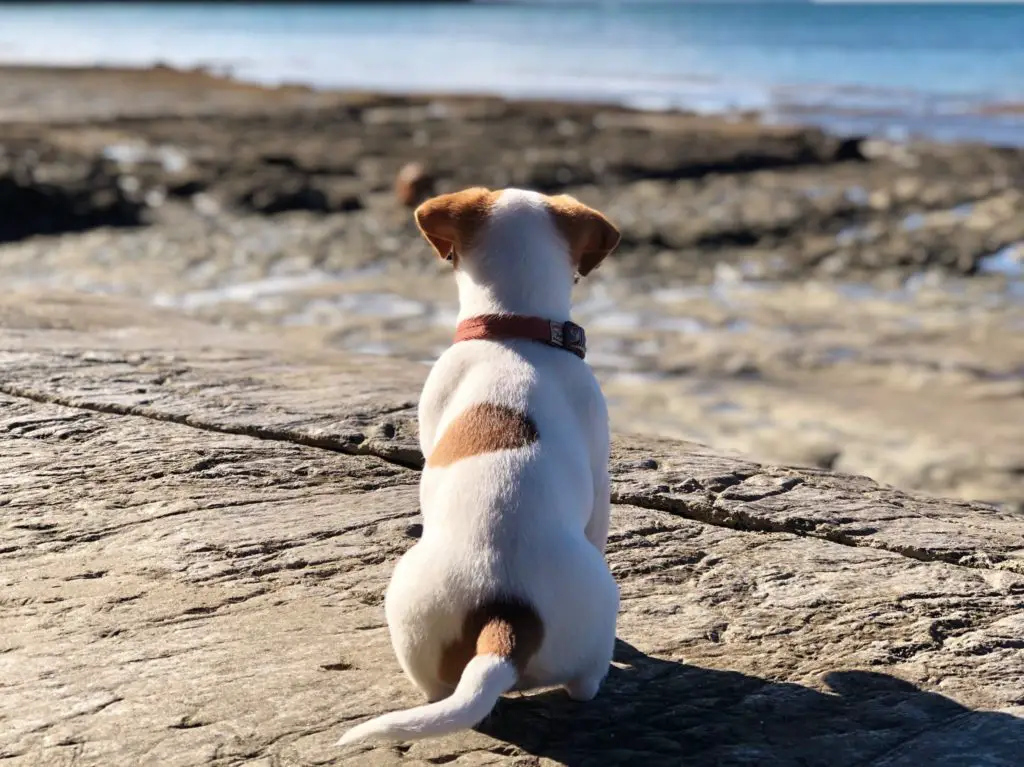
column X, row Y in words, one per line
column 530, row 523
column 486, row 677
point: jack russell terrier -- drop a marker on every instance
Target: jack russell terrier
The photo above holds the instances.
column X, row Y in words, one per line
column 507, row 588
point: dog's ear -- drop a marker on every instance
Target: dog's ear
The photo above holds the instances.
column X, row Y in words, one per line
column 451, row 221
column 590, row 235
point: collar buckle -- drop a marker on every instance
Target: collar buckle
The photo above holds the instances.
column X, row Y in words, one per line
column 569, row 336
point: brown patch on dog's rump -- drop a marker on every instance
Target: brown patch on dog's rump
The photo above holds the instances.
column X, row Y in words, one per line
column 483, row 428
column 510, row 629
column 590, row 235
column 451, row 222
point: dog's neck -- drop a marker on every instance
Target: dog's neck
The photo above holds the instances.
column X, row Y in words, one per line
column 535, row 285
column 476, row 300
column 520, row 264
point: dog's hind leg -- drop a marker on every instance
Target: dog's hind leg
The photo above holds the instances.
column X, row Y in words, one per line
column 597, row 526
column 404, row 607
column 596, row 660
column 433, row 689
column 586, row 686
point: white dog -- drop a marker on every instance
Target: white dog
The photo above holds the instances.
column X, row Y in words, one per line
column 508, row 587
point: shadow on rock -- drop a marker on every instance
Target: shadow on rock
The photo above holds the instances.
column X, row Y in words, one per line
column 656, row 712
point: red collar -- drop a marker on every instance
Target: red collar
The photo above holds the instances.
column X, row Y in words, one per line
column 489, row 327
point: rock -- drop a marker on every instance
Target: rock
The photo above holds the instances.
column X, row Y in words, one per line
column 49, row 196
column 270, row 194
column 200, row 525
column 413, row 184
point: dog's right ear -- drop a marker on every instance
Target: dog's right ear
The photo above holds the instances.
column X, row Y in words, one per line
column 589, row 235
column 450, row 222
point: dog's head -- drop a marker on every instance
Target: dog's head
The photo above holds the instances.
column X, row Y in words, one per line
column 495, row 235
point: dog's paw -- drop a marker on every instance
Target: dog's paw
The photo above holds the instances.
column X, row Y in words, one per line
column 584, row 689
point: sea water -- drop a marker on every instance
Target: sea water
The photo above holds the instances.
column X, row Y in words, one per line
column 874, row 67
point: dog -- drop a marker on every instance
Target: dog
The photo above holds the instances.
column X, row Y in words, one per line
column 508, row 587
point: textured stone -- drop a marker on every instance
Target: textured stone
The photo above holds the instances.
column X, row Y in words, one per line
column 236, row 383
column 188, row 578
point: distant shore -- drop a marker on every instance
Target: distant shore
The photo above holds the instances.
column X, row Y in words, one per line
column 31, row 93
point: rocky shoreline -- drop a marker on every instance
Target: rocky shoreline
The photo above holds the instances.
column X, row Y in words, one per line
column 845, row 303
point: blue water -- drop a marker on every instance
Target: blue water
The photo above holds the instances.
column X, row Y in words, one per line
column 881, row 67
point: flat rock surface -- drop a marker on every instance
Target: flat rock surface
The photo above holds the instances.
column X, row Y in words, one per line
column 199, row 525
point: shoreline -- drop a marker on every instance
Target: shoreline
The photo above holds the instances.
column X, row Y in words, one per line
column 991, row 123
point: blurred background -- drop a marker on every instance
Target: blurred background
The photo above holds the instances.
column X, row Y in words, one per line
column 822, row 205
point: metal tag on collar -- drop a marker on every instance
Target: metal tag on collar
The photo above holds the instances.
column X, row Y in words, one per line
column 569, row 336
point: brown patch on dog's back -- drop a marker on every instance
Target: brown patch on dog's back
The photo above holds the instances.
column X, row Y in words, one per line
column 483, row 428
column 590, row 235
column 451, row 222
column 507, row 628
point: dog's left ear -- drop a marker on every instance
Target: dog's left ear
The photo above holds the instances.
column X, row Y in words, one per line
column 590, row 235
column 451, row 221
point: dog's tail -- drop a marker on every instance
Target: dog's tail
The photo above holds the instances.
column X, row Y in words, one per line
column 498, row 640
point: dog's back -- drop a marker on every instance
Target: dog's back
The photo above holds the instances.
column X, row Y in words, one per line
column 520, row 426
column 507, row 518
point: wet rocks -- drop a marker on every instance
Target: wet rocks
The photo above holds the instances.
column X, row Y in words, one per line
column 294, row 193
column 57, row 193
column 688, row 192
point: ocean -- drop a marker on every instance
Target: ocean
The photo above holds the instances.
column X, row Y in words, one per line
column 942, row 70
